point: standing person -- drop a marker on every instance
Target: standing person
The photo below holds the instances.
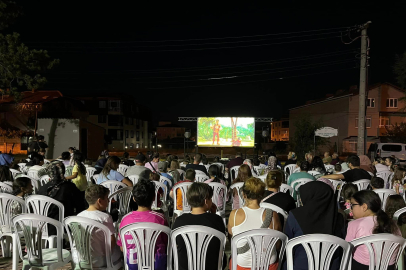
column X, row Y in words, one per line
column 250, row 217
column 110, row 172
column 216, row 131
column 369, row 219
column 318, row 215
column 153, row 162
column 199, row 197
column 78, row 176
column 355, row 173
column 196, row 164
column 139, row 167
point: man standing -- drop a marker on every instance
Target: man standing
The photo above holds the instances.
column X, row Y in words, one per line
column 216, row 131
column 354, row 174
column 196, row 164
column 139, row 167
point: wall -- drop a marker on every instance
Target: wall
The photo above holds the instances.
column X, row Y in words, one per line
column 95, row 139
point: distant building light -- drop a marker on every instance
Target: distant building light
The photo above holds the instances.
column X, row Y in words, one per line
column 159, row 146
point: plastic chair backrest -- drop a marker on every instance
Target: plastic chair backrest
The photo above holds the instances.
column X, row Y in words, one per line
column 159, row 185
column 384, row 194
column 185, row 205
column 329, row 167
column 381, row 248
column 201, row 178
column 319, row 250
column 285, row 188
column 4, row 188
column 144, row 236
column 14, row 173
column 298, row 182
column 33, row 174
column 238, row 187
column 89, row 173
column 335, row 183
column 80, row 231
column 7, row 203
column 34, row 183
column 314, row 173
column 218, row 189
column 220, row 165
column 197, row 240
column 40, row 204
column 44, row 179
column 362, row 184
column 122, row 168
column 262, row 177
column 385, row 175
column 290, row 168
column 275, row 208
column 262, row 243
column 113, row 185
column 234, row 172
column 397, row 214
column 181, row 173
column 33, row 226
column 259, row 170
column 123, row 196
column 164, row 179
column 134, row 178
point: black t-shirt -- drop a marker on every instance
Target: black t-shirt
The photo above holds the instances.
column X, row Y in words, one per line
column 282, row 200
column 196, row 167
column 290, row 161
column 355, row 175
column 235, row 162
column 207, row 219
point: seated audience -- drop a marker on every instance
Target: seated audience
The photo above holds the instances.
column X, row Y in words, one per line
column 152, row 164
column 366, row 164
column 101, row 161
column 346, row 193
column 304, row 168
column 126, row 159
column 199, row 197
column 162, row 168
column 318, row 165
column 369, row 219
column 139, row 167
column 379, row 164
column 64, row 191
column 390, row 162
column 334, row 159
column 173, row 171
column 244, row 173
column 319, row 214
column 337, row 168
column 5, row 175
column 398, row 180
column 237, row 161
column 189, row 177
column 309, row 157
column 110, row 172
column 21, row 187
column 247, row 217
column 377, row 183
column 214, row 174
column 144, row 195
column 393, row 204
column 327, row 158
column 272, row 164
column 292, row 159
column 65, row 158
column 196, row 164
column 97, row 197
column 354, row 174
column 78, row 176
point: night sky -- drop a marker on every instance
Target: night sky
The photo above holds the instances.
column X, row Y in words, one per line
column 209, row 60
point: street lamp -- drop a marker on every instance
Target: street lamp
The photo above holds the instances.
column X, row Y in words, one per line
column 186, row 136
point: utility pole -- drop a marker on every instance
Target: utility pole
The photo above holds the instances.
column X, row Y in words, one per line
column 361, row 143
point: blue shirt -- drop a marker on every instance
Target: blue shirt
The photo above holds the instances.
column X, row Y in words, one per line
column 113, row 175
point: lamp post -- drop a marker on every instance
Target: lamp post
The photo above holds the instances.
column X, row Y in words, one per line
column 186, row 136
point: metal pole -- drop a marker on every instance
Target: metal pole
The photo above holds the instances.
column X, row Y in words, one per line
column 184, row 147
column 362, row 89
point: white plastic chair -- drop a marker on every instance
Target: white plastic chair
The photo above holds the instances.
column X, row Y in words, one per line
column 241, row 200
column 290, row 168
column 234, row 172
column 335, row 183
column 44, row 179
column 33, row 174
column 262, row 177
column 123, row 196
column 144, row 236
column 262, row 244
column 381, row 248
column 329, row 167
column 277, row 209
column 319, row 250
column 134, row 178
column 220, row 165
column 298, row 182
column 383, row 194
column 182, row 174
column 32, row 226
column 89, row 173
column 185, row 205
column 397, row 214
column 200, row 172
column 14, row 173
column 7, row 231
column 164, row 179
column 219, row 189
column 122, row 168
column 259, row 170
column 314, row 173
column 286, row 188
column 113, row 185
column 362, row 184
column 4, row 188
column 34, row 184
column 22, row 166
column 80, row 231
column 159, row 185
column 385, row 175
column 95, row 176
column 201, row 178
column 197, row 240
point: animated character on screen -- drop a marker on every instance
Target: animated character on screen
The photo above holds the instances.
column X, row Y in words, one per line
column 237, row 142
column 216, row 131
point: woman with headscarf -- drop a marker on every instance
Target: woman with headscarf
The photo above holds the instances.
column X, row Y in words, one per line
column 366, row 164
column 64, row 191
column 272, row 164
column 318, row 215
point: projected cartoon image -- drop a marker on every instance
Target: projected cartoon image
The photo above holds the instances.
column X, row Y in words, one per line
column 226, row 131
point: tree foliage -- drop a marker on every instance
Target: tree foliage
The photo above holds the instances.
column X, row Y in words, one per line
column 400, row 70
column 396, row 133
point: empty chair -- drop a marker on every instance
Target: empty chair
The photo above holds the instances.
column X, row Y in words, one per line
column 83, row 232
column 234, row 172
column 383, row 195
column 123, row 196
column 262, row 243
column 122, row 168
column 134, row 178
column 362, row 184
column 384, row 249
column 319, row 250
column 44, row 179
column 4, row 188
column 290, row 168
column 113, row 186
column 197, row 240
column 143, row 237
column 238, row 198
column 219, row 198
column 385, row 175
column 33, row 226
column 275, row 208
column 89, row 173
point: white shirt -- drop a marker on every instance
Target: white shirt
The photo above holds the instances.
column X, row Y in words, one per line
column 380, row 167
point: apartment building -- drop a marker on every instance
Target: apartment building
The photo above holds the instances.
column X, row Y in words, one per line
column 280, row 130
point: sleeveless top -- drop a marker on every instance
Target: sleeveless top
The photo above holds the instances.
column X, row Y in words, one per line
column 253, row 220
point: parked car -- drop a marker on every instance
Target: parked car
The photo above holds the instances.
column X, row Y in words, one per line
column 388, row 149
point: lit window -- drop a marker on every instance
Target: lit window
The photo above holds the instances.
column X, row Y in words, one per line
column 371, row 102
column 383, row 121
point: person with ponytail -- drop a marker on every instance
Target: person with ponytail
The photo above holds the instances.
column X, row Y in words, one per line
column 369, row 219
column 64, row 191
column 78, row 176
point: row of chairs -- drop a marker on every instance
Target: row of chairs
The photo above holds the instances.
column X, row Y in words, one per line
column 319, row 247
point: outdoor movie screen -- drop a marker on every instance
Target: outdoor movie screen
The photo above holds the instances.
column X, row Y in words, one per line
column 226, row 131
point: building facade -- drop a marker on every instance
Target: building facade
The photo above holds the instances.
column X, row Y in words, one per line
column 280, row 130
column 340, row 111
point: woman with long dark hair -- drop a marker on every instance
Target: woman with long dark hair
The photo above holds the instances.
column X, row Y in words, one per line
column 369, row 219
column 110, row 172
column 244, row 173
column 78, row 176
